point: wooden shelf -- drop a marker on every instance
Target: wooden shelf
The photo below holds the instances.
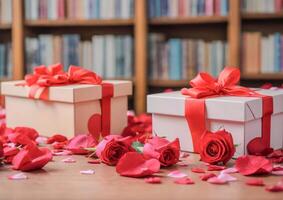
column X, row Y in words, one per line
column 168, row 83
column 265, row 76
column 261, row 16
column 78, row 22
column 5, row 26
column 188, row 20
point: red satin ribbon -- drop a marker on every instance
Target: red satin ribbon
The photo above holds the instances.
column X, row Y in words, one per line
column 204, row 86
column 44, row 77
column 107, row 93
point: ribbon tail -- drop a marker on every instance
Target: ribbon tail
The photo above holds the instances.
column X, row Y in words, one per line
column 107, row 93
column 195, row 115
column 267, row 107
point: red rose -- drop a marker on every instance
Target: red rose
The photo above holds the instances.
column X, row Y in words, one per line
column 31, row 158
column 216, row 147
column 78, row 144
column 112, row 148
column 166, row 152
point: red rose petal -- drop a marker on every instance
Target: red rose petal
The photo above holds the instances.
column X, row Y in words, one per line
column 207, row 176
column 56, row 138
column 257, row 147
column 275, row 188
column 31, row 158
column 198, row 170
column 133, row 164
column 96, row 161
column 184, row 181
column 277, row 168
column 215, row 168
column 249, row 165
column 218, row 181
column 276, row 154
column 255, row 182
column 153, row 180
column 78, row 144
column 266, row 86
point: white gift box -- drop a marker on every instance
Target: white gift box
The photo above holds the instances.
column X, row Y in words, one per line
column 69, row 109
column 241, row 116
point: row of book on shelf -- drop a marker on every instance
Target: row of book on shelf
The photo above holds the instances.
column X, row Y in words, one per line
column 178, row 59
column 5, row 11
column 183, row 8
column 262, row 53
column 78, row 9
column 108, row 55
column 5, row 60
column 262, row 6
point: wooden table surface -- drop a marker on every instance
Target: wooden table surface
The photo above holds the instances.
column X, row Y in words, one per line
column 59, row 180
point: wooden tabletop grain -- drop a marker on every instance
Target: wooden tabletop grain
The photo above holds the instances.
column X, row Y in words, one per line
column 59, row 180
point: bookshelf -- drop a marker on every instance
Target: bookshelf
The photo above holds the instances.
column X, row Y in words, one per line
column 228, row 28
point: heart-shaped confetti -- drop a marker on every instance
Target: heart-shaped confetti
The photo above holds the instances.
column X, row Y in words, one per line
column 177, row 174
column 19, row 176
column 217, row 181
column 69, row 160
column 87, row 172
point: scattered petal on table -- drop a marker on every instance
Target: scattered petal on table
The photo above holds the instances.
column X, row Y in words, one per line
column 61, row 153
column 251, row 165
column 69, row 160
column 230, row 170
column 277, row 173
column 197, row 170
column 275, row 188
column 94, row 161
column 215, row 168
column 184, row 181
column 184, row 155
column 90, row 171
column 18, row 176
column 177, row 174
column 216, row 180
column 183, row 164
column 227, row 177
column 207, row 176
column 277, row 168
column 153, row 180
column 255, row 182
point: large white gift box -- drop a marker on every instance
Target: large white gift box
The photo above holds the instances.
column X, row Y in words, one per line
column 70, row 110
column 241, row 116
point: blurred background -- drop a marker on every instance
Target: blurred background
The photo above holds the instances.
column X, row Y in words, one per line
column 158, row 44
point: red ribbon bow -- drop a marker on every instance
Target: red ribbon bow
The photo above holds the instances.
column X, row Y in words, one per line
column 204, row 85
column 53, row 75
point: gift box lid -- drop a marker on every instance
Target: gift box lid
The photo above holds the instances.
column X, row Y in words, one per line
column 230, row 108
column 70, row 93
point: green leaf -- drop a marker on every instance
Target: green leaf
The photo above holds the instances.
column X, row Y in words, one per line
column 137, row 146
column 236, row 145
